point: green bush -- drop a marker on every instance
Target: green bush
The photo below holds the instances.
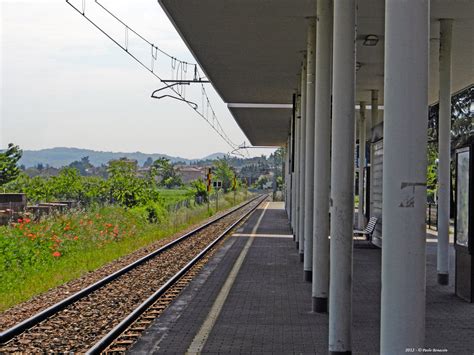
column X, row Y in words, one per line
column 152, row 212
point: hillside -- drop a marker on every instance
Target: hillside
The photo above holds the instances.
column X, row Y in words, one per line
column 58, row 157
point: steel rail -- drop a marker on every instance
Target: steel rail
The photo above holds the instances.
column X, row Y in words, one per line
column 19, row 328
column 103, row 343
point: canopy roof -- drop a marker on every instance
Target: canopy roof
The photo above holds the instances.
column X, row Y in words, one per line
column 252, row 53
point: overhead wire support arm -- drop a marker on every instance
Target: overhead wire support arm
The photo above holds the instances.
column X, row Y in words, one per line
column 179, row 70
column 192, row 104
column 185, row 82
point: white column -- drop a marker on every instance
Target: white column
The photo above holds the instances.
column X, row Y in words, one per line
column 309, row 150
column 290, row 183
column 291, row 173
column 322, row 148
column 342, row 177
column 374, row 113
column 296, row 191
column 374, row 107
column 444, row 149
column 287, row 186
column 404, row 175
column 302, row 142
column 360, row 213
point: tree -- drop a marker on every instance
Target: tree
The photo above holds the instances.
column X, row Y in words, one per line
column 125, row 187
column 67, row 185
column 9, row 170
column 278, row 160
column 462, row 128
column 200, row 191
column 224, row 173
column 95, row 190
column 36, row 189
column 163, row 168
column 261, row 182
column 148, row 162
column 83, row 166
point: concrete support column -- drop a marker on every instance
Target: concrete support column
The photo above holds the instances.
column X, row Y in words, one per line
column 296, row 191
column 404, row 175
column 375, row 107
column 293, row 207
column 374, row 116
column 302, row 142
column 287, row 178
column 290, row 174
column 290, row 178
column 444, row 149
column 342, row 177
column 309, row 150
column 322, row 148
column 360, row 214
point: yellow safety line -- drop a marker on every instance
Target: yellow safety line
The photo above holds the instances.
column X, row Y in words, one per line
column 257, row 235
column 201, row 337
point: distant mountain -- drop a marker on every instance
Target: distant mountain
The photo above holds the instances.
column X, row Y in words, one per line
column 58, row 157
column 214, row 156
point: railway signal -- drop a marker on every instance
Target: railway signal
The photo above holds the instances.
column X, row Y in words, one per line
column 234, row 186
column 209, row 180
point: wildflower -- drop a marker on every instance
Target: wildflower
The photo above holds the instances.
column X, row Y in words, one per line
column 27, row 220
column 56, row 254
column 76, row 237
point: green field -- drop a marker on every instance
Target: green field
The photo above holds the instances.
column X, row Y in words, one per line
column 36, row 256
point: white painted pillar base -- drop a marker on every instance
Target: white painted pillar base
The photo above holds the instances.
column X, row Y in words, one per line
column 322, row 175
column 309, row 150
column 444, row 149
column 404, row 175
column 342, row 178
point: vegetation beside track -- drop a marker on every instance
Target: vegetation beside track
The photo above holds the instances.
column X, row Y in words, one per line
column 36, row 256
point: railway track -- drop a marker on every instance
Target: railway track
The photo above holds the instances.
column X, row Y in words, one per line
column 94, row 318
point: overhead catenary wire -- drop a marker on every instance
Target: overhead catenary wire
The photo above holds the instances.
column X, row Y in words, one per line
column 179, row 69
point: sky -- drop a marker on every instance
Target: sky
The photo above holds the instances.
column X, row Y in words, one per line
column 65, row 84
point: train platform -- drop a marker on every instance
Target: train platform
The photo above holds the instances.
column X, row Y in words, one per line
column 251, row 299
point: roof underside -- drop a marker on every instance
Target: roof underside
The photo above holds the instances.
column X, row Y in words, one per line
column 252, row 52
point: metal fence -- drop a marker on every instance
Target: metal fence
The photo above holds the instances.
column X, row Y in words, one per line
column 432, row 215
column 175, row 207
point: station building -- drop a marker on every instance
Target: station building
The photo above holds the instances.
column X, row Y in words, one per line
column 317, row 76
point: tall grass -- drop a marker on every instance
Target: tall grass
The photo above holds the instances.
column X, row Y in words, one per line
column 35, row 257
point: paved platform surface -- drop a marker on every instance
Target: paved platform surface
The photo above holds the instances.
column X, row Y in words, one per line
column 267, row 310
